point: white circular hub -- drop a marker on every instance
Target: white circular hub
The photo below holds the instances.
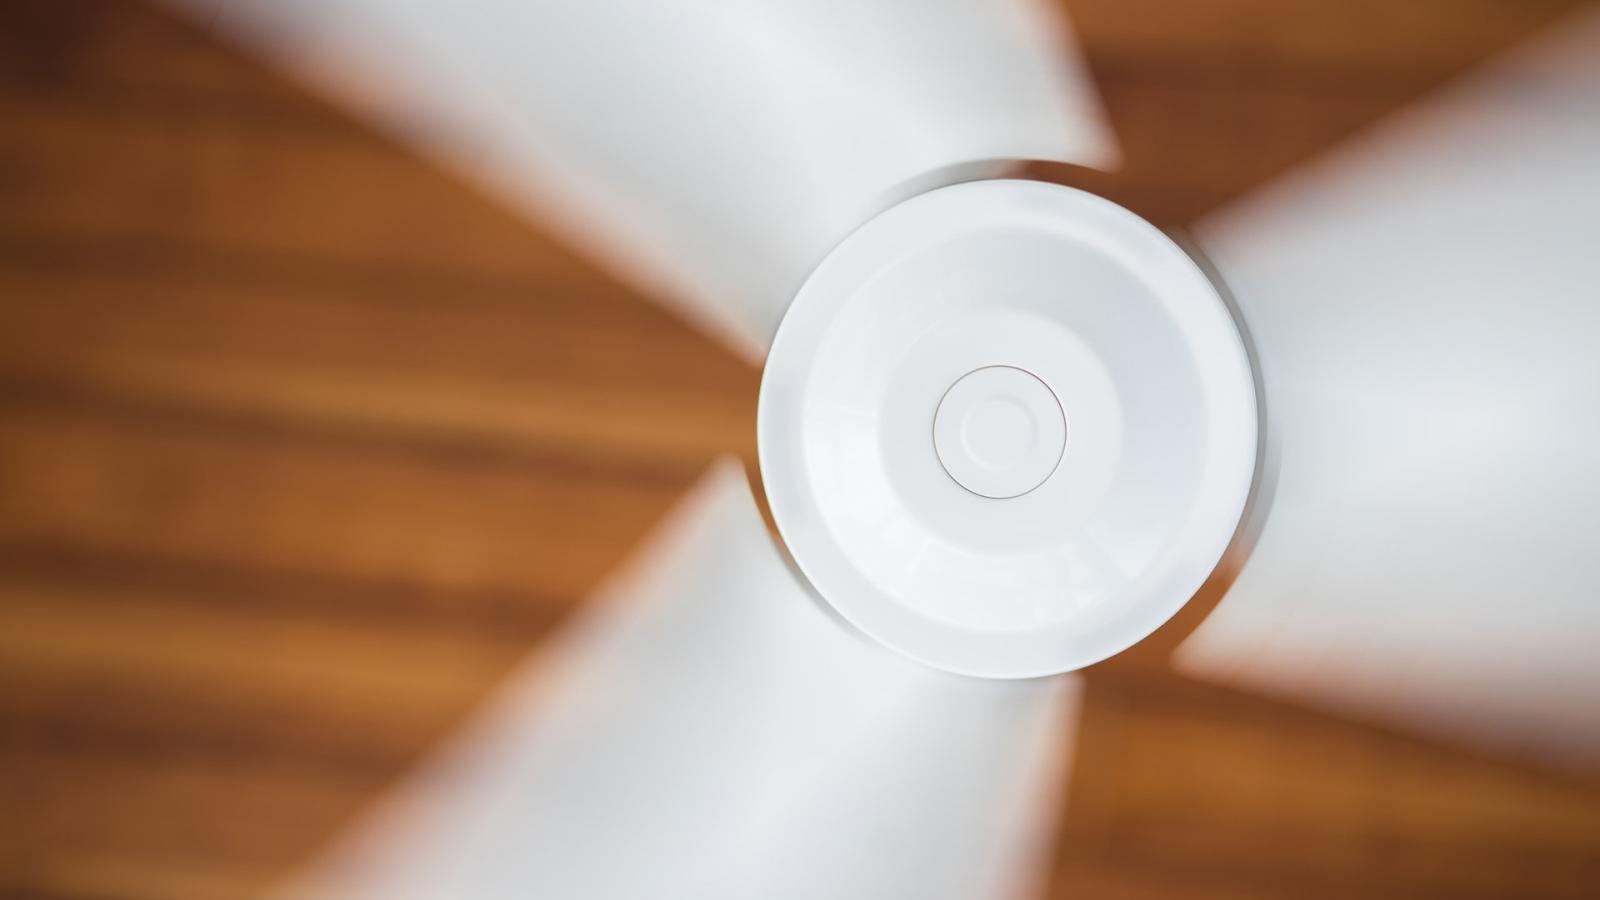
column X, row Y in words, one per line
column 999, row 432
column 1007, row 428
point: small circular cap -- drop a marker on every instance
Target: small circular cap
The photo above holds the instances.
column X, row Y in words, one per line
column 1007, row 428
column 999, row 432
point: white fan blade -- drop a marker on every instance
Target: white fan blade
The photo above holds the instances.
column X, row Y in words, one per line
column 1425, row 305
column 708, row 731
column 710, row 152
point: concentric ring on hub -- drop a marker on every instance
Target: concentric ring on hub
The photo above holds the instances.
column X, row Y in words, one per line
column 1007, row 428
column 999, row 432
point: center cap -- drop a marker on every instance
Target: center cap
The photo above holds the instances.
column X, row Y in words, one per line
column 999, row 432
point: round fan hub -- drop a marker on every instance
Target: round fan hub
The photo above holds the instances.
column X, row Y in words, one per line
column 1007, row 428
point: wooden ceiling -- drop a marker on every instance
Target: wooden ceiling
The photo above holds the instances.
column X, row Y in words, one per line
column 303, row 443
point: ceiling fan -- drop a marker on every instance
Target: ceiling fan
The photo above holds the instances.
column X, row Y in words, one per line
column 1007, row 429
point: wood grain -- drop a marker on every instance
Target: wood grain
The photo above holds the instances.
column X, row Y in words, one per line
column 304, row 443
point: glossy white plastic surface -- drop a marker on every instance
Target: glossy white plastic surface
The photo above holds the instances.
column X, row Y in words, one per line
column 708, row 152
column 1425, row 305
column 1115, row 322
column 999, row 432
column 707, row 730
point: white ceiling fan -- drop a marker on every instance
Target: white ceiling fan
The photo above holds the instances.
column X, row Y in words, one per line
column 1007, row 429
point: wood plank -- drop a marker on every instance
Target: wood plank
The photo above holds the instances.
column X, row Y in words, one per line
column 513, row 367
column 210, row 651
column 160, row 745
column 1350, row 41
column 227, row 179
column 1182, row 789
column 103, row 827
column 168, row 491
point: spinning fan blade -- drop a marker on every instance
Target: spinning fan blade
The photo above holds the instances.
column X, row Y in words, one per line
column 709, row 152
column 1425, row 306
column 707, row 731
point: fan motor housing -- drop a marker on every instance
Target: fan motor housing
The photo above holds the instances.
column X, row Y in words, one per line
column 1007, row 428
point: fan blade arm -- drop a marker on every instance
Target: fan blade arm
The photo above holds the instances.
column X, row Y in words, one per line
column 707, row 153
column 1424, row 311
column 705, row 729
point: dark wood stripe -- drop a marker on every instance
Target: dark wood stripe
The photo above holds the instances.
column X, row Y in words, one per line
column 116, row 573
column 47, row 399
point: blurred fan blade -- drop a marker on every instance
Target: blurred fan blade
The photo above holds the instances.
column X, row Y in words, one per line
column 708, row 731
column 1425, row 306
column 709, row 152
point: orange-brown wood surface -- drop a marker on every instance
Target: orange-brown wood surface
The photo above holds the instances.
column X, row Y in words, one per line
column 304, row 443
